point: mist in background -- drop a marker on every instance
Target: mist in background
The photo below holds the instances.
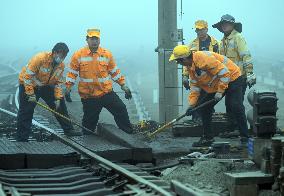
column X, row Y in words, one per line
column 129, row 29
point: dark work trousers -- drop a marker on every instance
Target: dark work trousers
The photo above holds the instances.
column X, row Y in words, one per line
column 197, row 115
column 233, row 101
column 92, row 108
column 232, row 120
column 26, row 110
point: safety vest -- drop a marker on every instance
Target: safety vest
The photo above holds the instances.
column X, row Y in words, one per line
column 211, row 72
column 235, row 48
column 194, row 45
column 40, row 71
column 96, row 72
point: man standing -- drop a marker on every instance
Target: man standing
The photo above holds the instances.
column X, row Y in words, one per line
column 97, row 69
column 218, row 76
column 203, row 42
column 42, row 78
column 234, row 46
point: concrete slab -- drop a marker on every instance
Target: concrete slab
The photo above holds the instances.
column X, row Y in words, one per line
column 104, row 148
column 19, row 155
column 247, row 178
column 140, row 151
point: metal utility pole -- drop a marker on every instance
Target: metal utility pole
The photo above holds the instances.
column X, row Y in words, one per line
column 168, row 78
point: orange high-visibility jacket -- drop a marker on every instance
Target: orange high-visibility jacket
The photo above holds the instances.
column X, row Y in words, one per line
column 40, row 72
column 211, row 72
column 194, row 45
column 96, row 72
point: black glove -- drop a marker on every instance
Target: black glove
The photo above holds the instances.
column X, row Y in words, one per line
column 189, row 110
column 185, row 82
column 186, row 85
column 128, row 94
column 127, row 91
column 68, row 95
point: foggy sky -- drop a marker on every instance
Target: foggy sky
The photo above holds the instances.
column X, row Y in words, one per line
column 130, row 27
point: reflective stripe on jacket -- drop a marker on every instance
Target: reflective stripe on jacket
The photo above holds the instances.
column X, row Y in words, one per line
column 235, row 48
column 211, row 72
column 96, row 72
column 40, row 72
column 213, row 47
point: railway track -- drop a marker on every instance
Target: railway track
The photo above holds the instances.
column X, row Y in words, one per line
column 91, row 175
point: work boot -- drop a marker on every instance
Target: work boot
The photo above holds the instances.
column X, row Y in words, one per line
column 203, row 141
column 128, row 130
column 72, row 132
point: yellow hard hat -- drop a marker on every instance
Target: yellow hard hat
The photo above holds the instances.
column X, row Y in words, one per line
column 180, row 51
column 201, row 24
column 93, row 33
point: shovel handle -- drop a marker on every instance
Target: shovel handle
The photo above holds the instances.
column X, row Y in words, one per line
column 62, row 116
column 169, row 124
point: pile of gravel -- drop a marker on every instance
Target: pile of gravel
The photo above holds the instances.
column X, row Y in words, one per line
column 205, row 175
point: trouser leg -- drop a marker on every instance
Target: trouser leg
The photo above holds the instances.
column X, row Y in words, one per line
column 24, row 116
column 206, row 115
column 92, row 108
column 118, row 109
column 196, row 116
column 234, row 99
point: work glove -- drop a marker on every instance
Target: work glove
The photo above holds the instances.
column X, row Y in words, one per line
column 189, row 110
column 127, row 91
column 185, row 82
column 31, row 98
column 57, row 104
column 68, row 95
column 218, row 96
column 251, row 79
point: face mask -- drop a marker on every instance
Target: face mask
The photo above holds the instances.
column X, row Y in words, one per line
column 58, row 60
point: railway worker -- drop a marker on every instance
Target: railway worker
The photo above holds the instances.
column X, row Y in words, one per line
column 218, row 76
column 96, row 69
column 234, row 46
column 42, row 78
column 203, row 42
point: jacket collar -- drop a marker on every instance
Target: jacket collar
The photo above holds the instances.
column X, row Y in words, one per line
column 233, row 33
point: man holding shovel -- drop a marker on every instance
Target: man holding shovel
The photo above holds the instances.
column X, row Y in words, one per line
column 218, row 76
column 42, row 78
